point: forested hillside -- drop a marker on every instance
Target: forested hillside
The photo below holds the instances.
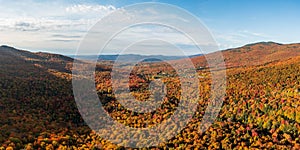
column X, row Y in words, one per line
column 260, row 110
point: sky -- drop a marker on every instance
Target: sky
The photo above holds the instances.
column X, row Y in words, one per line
column 59, row 26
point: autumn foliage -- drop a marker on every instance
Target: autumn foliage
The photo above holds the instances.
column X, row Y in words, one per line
column 261, row 108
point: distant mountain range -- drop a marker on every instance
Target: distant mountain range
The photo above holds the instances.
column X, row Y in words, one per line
column 21, row 63
column 248, row 55
column 129, row 57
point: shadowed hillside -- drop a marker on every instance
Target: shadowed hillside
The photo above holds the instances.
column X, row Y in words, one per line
column 36, row 97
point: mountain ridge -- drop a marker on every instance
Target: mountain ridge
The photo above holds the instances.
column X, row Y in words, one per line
column 254, row 54
column 248, row 55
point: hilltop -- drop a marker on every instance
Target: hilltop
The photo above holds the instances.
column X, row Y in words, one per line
column 255, row 54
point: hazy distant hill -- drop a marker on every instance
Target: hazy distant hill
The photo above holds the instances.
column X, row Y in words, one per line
column 128, row 57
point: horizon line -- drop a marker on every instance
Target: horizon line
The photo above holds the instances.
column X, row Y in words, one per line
column 111, row 54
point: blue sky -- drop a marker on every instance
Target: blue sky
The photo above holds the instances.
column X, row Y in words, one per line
column 58, row 26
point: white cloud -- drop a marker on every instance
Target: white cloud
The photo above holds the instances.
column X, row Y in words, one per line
column 232, row 39
column 43, row 24
column 90, row 8
column 249, row 33
column 57, row 25
column 67, row 18
column 35, row 25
